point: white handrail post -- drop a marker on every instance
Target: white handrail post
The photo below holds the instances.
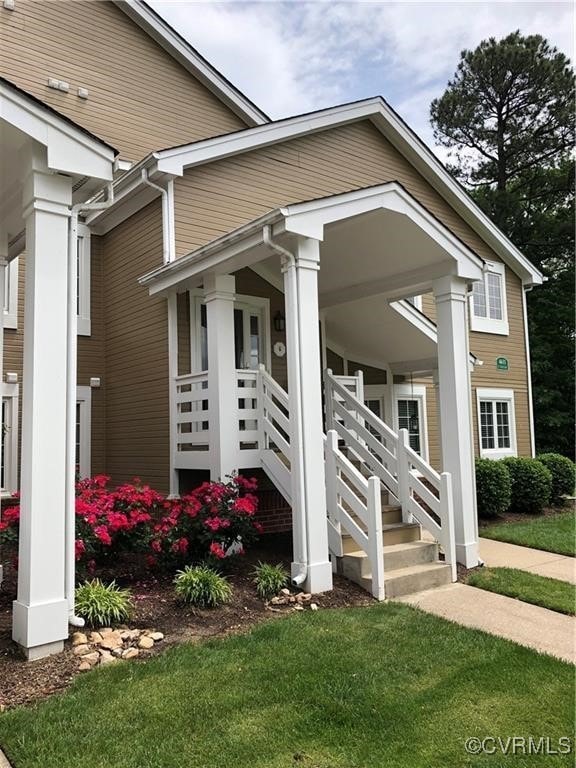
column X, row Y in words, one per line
column 328, row 395
column 260, row 408
column 403, row 475
column 447, row 518
column 375, row 544
column 331, row 478
column 359, row 385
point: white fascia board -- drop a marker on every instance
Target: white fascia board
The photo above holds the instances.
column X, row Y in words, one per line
column 178, row 159
column 69, row 149
column 191, row 60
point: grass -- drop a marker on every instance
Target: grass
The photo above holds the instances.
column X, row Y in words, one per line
column 549, row 593
column 386, row 685
column 552, row 533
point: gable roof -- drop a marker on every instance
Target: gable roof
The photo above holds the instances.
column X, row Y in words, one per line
column 180, row 49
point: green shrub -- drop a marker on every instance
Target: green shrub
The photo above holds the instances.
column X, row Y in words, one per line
column 563, row 475
column 202, row 587
column 493, row 487
column 103, row 604
column 531, row 485
column 269, row 579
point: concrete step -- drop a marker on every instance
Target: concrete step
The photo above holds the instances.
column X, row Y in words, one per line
column 415, row 578
column 391, row 513
column 394, row 533
column 356, row 565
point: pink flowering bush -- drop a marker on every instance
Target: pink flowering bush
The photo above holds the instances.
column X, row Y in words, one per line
column 212, row 522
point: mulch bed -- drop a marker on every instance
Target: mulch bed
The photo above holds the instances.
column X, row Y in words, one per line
column 523, row 517
column 24, row 683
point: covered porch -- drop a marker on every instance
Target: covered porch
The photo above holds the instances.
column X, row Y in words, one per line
column 48, row 166
column 345, row 265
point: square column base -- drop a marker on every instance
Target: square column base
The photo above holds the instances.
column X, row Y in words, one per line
column 40, row 626
column 42, row 651
column 318, row 578
column 467, row 555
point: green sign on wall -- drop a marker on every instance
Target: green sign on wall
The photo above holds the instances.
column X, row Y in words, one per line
column 502, row 363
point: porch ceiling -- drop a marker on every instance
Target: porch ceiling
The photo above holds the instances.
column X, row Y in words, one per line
column 372, row 332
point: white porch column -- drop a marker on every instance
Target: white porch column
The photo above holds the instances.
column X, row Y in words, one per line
column 172, row 373
column 450, row 294
column 40, row 616
column 309, row 522
column 3, row 266
column 219, row 295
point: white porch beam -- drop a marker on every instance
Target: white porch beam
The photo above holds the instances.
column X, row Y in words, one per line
column 309, row 521
column 451, row 296
column 40, row 616
column 219, row 291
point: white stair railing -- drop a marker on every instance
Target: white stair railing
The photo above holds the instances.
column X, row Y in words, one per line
column 351, row 497
column 423, row 494
column 274, row 432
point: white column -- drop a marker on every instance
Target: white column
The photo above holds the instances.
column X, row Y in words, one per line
column 219, row 295
column 450, row 294
column 309, row 521
column 172, row 373
column 40, row 615
column 3, row 266
column 436, row 382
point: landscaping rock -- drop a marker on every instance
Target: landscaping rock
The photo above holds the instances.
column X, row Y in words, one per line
column 130, row 653
column 313, row 606
column 156, row 636
column 111, row 641
column 285, row 591
column 81, row 650
column 117, row 652
column 79, row 638
column 145, row 642
column 91, row 658
column 106, row 658
column 95, row 637
column 106, row 631
column 85, row 666
column 304, row 597
column 125, row 634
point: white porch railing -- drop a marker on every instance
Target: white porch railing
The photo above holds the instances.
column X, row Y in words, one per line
column 422, row 493
column 354, row 499
column 192, row 433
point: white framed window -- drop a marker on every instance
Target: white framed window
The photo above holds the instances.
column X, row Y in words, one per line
column 410, row 413
column 416, row 302
column 9, row 463
column 488, row 310
column 251, row 332
column 496, row 423
column 83, row 280
column 83, row 432
column 11, row 295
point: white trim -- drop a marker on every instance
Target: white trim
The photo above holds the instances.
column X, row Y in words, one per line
column 529, row 373
column 189, row 58
column 11, row 393
column 413, row 392
column 487, row 324
column 11, row 296
column 493, row 395
column 84, row 461
column 84, row 326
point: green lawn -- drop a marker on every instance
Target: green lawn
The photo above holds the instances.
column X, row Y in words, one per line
column 553, row 533
column 529, row 587
column 351, row 688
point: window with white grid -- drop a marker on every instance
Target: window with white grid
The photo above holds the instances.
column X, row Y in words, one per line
column 488, row 312
column 496, row 423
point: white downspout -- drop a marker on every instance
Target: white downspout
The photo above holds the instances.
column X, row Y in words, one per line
column 71, row 382
column 168, row 245
column 300, row 577
column 525, row 290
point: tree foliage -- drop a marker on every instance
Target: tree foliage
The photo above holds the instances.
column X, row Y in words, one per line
column 507, row 118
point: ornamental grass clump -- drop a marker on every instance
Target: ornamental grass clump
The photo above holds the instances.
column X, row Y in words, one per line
column 101, row 604
column 269, row 579
column 202, row 587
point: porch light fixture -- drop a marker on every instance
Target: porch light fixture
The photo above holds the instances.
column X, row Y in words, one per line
column 279, row 322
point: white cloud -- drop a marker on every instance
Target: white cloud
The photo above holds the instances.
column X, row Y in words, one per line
column 292, row 57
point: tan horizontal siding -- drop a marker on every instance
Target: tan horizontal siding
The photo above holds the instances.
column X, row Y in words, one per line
column 136, row 353
column 140, row 98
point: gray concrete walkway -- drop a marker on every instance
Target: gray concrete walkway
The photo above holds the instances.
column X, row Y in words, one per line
column 529, row 625
column 500, row 554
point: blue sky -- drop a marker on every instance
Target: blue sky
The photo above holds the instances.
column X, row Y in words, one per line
column 293, row 57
